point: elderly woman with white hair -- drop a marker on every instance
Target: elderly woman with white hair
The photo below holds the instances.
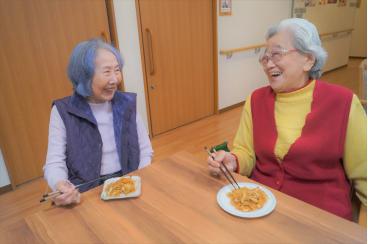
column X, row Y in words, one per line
column 96, row 131
column 300, row 135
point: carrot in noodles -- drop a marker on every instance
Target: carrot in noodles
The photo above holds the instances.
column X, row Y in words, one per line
column 123, row 185
column 246, row 199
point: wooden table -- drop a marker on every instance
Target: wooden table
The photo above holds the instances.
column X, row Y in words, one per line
column 178, row 205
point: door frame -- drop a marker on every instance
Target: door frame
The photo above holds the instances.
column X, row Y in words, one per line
column 111, row 20
column 214, row 65
column 112, row 23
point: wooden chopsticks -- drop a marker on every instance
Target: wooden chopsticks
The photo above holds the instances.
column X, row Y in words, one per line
column 50, row 195
column 225, row 172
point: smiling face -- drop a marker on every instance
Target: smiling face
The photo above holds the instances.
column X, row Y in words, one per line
column 289, row 70
column 106, row 78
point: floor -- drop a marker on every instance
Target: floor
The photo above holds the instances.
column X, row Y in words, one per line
column 192, row 138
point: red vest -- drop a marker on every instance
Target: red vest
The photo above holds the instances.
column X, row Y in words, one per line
column 312, row 170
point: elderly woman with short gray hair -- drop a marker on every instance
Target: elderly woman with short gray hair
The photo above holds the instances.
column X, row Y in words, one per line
column 300, row 135
column 96, row 131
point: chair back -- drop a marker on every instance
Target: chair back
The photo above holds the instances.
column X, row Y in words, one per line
column 363, row 83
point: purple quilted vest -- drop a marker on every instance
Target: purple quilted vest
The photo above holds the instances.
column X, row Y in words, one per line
column 83, row 140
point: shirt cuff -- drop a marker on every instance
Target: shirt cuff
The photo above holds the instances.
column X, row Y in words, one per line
column 237, row 163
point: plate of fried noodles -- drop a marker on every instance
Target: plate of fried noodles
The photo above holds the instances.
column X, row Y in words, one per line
column 121, row 187
column 250, row 201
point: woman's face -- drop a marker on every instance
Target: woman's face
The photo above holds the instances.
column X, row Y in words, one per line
column 107, row 77
column 286, row 68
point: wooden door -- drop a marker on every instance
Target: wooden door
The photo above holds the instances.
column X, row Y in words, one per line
column 177, row 39
column 37, row 37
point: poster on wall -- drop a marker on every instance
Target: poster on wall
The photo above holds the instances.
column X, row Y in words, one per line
column 354, row 3
column 342, row 3
column 225, row 7
column 310, row 3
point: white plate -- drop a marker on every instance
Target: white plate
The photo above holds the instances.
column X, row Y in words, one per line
column 136, row 193
column 224, row 201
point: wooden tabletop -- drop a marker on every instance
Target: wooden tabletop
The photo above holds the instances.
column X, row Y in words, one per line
column 178, row 205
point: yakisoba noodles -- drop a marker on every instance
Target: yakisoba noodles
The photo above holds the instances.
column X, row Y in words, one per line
column 246, row 199
column 123, row 185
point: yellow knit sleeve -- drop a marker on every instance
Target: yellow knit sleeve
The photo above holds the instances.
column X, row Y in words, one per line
column 243, row 141
column 355, row 152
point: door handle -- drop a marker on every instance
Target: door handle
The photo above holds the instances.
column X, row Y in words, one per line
column 150, row 52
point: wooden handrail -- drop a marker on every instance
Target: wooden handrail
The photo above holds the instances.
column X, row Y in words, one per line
column 230, row 52
column 335, row 32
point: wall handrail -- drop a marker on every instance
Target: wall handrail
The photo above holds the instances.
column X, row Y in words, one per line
column 229, row 52
column 334, row 33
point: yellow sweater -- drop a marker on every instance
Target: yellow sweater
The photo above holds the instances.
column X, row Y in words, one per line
column 291, row 110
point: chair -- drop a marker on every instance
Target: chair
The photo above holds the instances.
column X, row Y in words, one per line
column 363, row 83
column 362, row 220
column 359, row 210
column 362, row 216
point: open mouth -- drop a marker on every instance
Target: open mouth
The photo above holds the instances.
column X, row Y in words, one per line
column 276, row 73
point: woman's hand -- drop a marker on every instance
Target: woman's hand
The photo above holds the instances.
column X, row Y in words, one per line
column 221, row 156
column 69, row 194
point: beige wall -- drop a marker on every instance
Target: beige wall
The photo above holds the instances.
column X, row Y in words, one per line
column 359, row 37
column 239, row 75
column 330, row 18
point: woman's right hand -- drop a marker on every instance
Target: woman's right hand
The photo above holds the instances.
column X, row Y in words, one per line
column 221, row 156
column 69, row 194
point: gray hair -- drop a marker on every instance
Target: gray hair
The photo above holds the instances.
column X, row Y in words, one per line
column 305, row 39
column 81, row 68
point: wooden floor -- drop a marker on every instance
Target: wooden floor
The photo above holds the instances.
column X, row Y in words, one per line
column 191, row 138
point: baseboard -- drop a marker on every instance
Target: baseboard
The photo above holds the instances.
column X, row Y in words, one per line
column 231, row 107
column 357, row 57
column 5, row 189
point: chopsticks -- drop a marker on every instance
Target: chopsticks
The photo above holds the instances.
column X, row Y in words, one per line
column 50, row 195
column 225, row 172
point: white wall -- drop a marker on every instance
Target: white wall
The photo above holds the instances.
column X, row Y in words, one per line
column 239, row 75
column 4, row 178
column 127, row 30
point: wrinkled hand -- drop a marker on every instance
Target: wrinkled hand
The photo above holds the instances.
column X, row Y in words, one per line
column 69, row 194
column 221, row 156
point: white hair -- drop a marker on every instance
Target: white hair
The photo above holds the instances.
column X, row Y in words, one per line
column 305, row 39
